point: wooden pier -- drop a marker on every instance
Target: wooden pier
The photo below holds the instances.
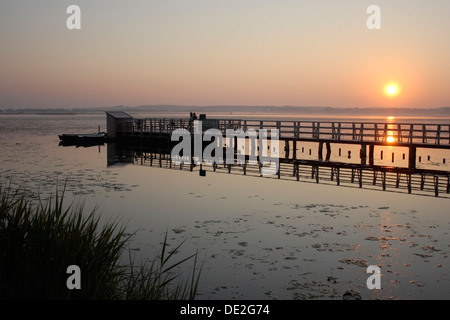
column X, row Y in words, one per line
column 366, row 136
column 371, row 133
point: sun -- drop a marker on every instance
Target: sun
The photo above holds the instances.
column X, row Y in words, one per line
column 391, row 89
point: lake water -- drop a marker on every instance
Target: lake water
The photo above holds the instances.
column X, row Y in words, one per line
column 258, row 238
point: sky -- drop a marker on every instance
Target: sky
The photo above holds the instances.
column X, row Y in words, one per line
column 224, row 52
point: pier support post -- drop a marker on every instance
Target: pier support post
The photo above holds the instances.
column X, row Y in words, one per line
column 448, row 185
column 286, row 148
column 412, row 157
column 363, row 154
column 328, row 156
column 320, row 150
column 371, row 152
column 408, row 180
column 315, row 173
column 294, row 155
column 436, row 186
column 360, row 177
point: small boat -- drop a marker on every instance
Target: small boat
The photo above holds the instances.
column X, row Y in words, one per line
column 81, row 139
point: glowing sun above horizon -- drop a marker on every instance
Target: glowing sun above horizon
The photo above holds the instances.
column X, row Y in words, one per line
column 391, row 90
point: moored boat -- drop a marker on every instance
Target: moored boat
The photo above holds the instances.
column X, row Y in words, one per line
column 83, row 138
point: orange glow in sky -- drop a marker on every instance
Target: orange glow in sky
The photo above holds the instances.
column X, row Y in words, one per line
column 225, row 53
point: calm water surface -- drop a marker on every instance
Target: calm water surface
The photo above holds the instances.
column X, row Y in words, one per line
column 259, row 238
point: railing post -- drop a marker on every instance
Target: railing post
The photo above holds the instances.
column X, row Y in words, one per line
column 318, row 130
column 339, row 131
column 353, row 132
column 424, row 133
column 411, row 134
column 313, row 129
column 361, row 132
column 438, row 135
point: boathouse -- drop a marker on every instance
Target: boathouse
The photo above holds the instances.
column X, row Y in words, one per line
column 115, row 120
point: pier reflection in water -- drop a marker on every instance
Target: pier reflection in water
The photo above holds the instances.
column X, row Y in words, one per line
column 389, row 171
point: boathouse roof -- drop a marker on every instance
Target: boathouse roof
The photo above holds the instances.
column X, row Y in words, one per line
column 119, row 114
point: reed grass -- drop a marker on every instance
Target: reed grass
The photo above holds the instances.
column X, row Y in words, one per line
column 39, row 240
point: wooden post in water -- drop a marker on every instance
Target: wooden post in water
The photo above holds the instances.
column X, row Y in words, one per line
column 320, row 150
column 286, row 148
column 328, row 156
column 363, row 154
column 436, row 186
column 448, row 184
column 371, row 152
column 294, row 155
column 408, row 181
column 412, row 157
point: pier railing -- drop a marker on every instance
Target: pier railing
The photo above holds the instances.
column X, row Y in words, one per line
column 348, row 132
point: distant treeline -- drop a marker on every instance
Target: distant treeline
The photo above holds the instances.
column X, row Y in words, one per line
column 313, row 110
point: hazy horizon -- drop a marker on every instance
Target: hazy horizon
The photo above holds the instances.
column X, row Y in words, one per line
column 236, row 53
